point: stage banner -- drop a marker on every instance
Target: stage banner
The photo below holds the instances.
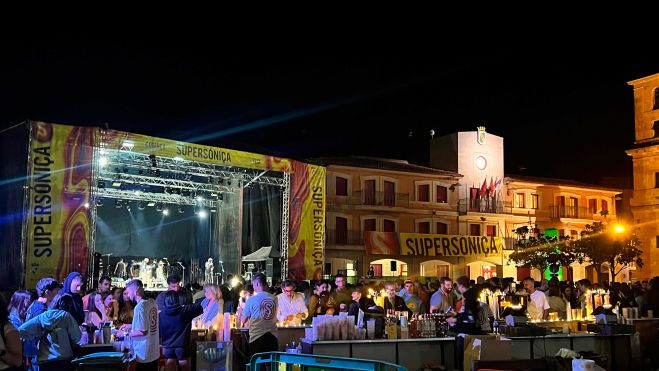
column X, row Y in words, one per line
column 306, row 228
column 58, row 222
column 419, row 244
column 381, row 243
column 113, row 139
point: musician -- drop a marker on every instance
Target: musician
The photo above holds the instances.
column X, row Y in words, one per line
column 120, row 269
column 209, row 270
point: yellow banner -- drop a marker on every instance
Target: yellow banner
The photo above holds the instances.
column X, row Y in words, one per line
column 306, row 246
column 113, row 139
column 450, row 245
column 58, row 221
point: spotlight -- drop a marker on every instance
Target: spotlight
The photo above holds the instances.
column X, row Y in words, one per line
column 228, row 182
column 153, row 160
column 203, row 214
column 165, row 212
column 128, row 144
column 117, row 181
column 101, row 184
column 178, row 158
column 128, row 207
column 87, row 205
column 200, row 198
column 141, row 205
column 159, row 207
column 180, row 209
column 99, row 202
column 151, row 203
column 102, row 161
column 118, row 203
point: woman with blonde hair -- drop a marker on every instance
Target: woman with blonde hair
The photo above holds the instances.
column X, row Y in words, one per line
column 213, row 304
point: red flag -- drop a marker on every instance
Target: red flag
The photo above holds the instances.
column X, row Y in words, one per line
column 490, row 189
column 483, row 188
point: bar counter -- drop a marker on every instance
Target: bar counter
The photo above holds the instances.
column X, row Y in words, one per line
column 417, row 353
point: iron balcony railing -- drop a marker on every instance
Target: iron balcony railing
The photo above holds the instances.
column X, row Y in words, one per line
column 490, row 206
column 343, row 237
column 573, row 212
column 389, row 199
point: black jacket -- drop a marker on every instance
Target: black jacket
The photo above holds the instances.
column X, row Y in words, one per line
column 79, row 311
column 399, row 305
column 176, row 324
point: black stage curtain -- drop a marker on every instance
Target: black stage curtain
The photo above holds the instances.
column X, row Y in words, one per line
column 13, row 152
column 261, row 219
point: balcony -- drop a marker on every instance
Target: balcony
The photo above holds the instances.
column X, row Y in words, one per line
column 489, row 206
column 387, row 199
column 572, row 212
column 343, row 237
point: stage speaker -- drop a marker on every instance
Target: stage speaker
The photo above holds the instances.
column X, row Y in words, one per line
column 269, row 268
column 393, row 266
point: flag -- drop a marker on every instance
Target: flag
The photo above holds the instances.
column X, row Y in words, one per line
column 497, row 184
column 483, row 188
column 490, row 189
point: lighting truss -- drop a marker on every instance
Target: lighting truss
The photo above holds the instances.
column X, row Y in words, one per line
column 164, row 198
column 163, row 182
column 134, row 160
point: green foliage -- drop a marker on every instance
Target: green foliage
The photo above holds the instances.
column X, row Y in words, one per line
column 601, row 245
column 541, row 252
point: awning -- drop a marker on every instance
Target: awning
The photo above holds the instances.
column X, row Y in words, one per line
column 259, row 255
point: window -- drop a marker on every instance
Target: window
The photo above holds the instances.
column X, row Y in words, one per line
column 491, row 231
column 574, row 234
column 656, row 180
column 474, row 229
column 389, row 193
column 561, row 232
column 389, row 225
column 424, row 193
column 605, row 206
column 656, row 99
column 341, row 232
column 424, row 227
column 442, row 228
column 369, row 192
column 341, row 186
column 442, row 196
column 369, row 225
column 519, row 200
column 535, row 201
column 655, row 127
column 592, row 206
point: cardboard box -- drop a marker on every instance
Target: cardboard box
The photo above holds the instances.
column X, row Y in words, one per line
column 487, row 348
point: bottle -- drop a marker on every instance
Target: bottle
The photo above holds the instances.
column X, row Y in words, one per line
column 298, row 350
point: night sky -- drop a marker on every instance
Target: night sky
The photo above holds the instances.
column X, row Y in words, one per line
column 564, row 113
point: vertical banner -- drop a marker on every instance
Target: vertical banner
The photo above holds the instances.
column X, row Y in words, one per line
column 306, row 231
column 58, row 221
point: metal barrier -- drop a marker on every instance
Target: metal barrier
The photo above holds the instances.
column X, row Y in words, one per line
column 310, row 362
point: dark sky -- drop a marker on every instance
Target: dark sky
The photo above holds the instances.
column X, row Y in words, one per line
column 564, row 112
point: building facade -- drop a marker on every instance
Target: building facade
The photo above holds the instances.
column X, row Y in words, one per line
column 463, row 193
column 645, row 157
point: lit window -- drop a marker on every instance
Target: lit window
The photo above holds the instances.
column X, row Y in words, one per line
column 519, row 200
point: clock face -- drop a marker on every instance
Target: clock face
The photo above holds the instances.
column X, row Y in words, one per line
column 481, row 162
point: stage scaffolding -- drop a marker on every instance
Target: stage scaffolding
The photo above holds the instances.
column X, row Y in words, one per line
column 156, row 180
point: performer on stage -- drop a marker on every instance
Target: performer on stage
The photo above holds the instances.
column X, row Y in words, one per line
column 120, row 269
column 209, row 271
column 133, row 269
column 160, row 273
column 146, row 273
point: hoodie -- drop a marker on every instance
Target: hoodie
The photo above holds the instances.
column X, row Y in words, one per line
column 176, row 324
column 57, row 330
column 79, row 312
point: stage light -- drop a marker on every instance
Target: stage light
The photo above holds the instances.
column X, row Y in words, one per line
column 151, row 203
column 234, row 282
column 117, row 181
column 203, row 214
column 153, row 160
column 102, row 161
column 180, row 209
column 165, row 212
column 199, row 198
column 128, row 144
column 178, row 158
column 197, row 209
column 228, row 182
column 141, row 205
column 128, row 207
column 87, row 205
column 159, row 207
column 118, row 203
column 101, row 184
column 99, row 202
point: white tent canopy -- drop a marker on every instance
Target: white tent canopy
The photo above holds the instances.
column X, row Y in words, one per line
column 259, row 255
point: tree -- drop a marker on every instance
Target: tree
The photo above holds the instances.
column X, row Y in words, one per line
column 542, row 252
column 600, row 245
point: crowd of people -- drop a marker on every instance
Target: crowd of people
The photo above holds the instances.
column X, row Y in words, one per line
column 43, row 331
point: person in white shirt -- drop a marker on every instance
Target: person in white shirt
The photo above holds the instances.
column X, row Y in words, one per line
column 261, row 311
column 537, row 306
column 290, row 305
column 145, row 329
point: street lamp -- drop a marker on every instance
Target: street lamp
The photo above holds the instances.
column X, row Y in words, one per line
column 618, row 228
